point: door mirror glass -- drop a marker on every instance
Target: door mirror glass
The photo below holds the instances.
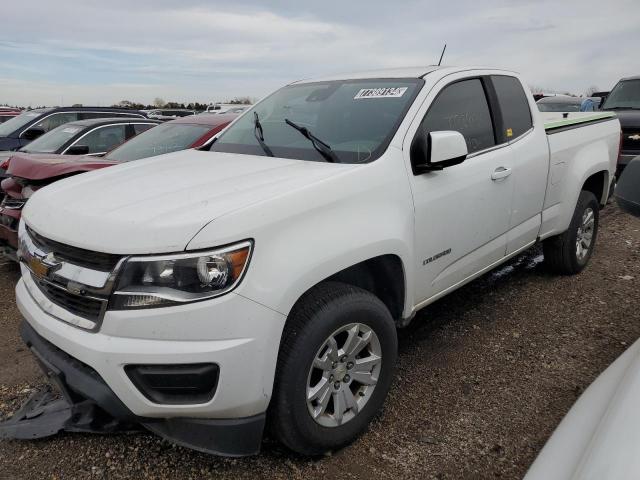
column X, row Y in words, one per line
column 77, row 150
column 32, row 133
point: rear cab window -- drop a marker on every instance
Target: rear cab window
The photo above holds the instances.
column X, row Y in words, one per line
column 514, row 113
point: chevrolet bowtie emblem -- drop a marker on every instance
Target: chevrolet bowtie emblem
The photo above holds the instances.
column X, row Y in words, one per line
column 634, row 137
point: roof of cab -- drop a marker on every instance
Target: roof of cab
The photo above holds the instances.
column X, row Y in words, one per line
column 404, row 72
column 91, row 122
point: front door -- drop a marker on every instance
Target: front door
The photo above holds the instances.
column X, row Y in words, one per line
column 462, row 212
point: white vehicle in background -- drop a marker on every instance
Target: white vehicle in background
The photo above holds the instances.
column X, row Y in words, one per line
column 264, row 283
column 600, row 436
column 227, row 108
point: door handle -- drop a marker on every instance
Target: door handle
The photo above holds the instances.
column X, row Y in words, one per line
column 500, row 172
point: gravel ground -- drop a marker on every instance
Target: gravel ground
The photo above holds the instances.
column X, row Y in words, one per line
column 484, row 376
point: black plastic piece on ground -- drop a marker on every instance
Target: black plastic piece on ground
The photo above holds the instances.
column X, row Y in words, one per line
column 89, row 405
column 44, row 414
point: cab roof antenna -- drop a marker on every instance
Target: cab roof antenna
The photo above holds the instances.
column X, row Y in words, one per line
column 442, row 54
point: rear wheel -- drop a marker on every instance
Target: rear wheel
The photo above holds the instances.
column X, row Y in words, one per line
column 569, row 253
column 335, row 368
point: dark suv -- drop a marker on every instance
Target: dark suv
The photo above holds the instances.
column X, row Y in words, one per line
column 624, row 99
column 28, row 126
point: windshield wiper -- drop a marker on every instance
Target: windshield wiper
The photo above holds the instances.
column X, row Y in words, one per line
column 259, row 134
column 319, row 145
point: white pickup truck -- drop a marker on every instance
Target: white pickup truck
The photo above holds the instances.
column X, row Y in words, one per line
column 259, row 281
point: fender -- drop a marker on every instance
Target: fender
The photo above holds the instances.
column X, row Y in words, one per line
column 570, row 170
column 292, row 254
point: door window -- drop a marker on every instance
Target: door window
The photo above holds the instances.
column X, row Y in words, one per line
column 56, row 120
column 514, row 107
column 103, row 139
column 463, row 107
column 142, row 127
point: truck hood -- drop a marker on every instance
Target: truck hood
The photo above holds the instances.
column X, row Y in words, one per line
column 41, row 166
column 157, row 205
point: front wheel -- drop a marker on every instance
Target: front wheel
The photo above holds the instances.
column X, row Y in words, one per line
column 335, row 368
column 569, row 253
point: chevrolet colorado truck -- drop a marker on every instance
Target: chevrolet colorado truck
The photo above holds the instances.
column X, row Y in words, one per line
column 259, row 281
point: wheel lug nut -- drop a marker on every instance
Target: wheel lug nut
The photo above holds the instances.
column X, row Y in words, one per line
column 331, row 378
column 343, row 359
column 346, row 378
column 350, row 365
column 334, row 365
column 336, row 385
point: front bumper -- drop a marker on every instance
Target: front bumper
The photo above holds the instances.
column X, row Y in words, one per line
column 242, row 337
column 79, row 383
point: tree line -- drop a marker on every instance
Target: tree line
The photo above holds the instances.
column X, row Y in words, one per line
column 161, row 103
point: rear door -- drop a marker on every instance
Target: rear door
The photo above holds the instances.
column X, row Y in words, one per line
column 462, row 213
column 529, row 150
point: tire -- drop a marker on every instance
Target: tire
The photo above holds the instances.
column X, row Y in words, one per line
column 562, row 254
column 318, row 315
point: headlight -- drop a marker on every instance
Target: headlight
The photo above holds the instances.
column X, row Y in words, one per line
column 167, row 280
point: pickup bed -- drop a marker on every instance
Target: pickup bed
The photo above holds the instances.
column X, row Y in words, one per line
column 262, row 281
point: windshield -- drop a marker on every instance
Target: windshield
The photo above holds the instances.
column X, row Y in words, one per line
column 625, row 94
column 10, row 126
column 165, row 138
column 51, row 141
column 355, row 118
column 559, row 107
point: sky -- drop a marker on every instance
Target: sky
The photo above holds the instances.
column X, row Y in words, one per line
column 98, row 53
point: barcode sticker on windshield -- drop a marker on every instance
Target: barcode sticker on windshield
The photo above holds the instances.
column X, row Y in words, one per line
column 385, row 92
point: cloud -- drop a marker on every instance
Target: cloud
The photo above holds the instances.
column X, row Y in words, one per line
column 209, row 50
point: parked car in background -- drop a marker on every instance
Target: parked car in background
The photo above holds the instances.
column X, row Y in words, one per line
column 28, row 126
column 227, row 108
column 172, row 136
column 169, row 114
column 27, row 172
column 628, row 188
column 624, row 100
column 7, row 113
column 84, row 137
column 559, row 103
column 600, row 95
column 201, row 291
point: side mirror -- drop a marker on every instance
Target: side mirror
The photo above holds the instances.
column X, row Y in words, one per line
column 32, row 133
column 77, row 150
column 437, row 151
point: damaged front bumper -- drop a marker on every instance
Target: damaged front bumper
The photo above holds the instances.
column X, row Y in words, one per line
column 87, row 404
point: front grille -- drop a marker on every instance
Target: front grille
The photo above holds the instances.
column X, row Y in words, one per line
column 13, row 203
column 104, row 262
column 79, row 305
column 631, row 143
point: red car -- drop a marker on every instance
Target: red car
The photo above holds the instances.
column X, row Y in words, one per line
column 29, row 172
column 7, row 113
